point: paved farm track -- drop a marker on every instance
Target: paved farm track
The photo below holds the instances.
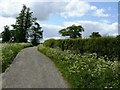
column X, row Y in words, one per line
column 31, row 69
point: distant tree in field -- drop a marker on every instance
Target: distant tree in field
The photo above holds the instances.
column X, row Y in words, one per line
column 36, row 33
column 6, row 34
column 23, row 24
column 95, row 34
column 72, row 31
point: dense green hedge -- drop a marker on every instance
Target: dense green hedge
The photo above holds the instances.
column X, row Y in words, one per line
column 108, row 47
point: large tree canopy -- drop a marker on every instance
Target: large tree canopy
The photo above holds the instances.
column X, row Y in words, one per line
column 36, row 33
column 23, row 23
column 72, row 31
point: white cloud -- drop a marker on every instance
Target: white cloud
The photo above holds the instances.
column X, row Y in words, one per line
column 42, row 10
column 104, row 21
column 10, row 8
column 102, row 0
column 93, row 7
column 92, row 26
column 5, row 21
column 50, row 31
column 75, row 8
column 100, row 13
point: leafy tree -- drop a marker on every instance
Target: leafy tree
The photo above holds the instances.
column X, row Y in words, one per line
column 36, row 33
column 12, row 36
column 95, row 34
column 21, row 29
column 6, row 34
column 72, row 31
column 23, row 24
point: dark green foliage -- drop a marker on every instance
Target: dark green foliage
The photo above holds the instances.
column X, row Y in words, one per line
column 72, row 31
column 49, row 43
column 6, row 34
column 23, row 24
column 12, row 35
column 108, row 47
column 95, row 35
column 36, row 34
column 102, row 46
column 0, row 35
column 117, row 47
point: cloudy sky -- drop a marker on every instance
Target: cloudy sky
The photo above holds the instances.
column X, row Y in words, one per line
column 53, row 15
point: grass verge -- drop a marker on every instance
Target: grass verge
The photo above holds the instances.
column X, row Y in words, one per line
column 84, row 71
column 9, row 51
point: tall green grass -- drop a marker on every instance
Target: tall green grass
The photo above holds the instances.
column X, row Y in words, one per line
column 84, row 71
column 9, row 51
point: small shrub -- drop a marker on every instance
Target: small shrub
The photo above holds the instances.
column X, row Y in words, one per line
column 49, row 43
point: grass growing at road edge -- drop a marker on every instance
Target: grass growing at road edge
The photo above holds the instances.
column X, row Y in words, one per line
column 84, row 71
column 9, row 51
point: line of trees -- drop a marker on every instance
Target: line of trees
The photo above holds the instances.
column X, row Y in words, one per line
column 27, row 27
column 24, row 28
column 75, row 32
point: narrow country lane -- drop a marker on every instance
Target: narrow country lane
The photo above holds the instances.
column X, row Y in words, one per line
column 31, row 69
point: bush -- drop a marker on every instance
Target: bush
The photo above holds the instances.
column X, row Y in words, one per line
column 9, row 51
column 108, row 47
column 49, row 43
column 84, row 71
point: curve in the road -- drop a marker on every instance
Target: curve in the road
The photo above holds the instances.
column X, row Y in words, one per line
column 31, row 69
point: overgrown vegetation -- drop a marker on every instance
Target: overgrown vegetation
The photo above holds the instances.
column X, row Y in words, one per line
column 108, row 47
column 84, row 71
column 9, row 51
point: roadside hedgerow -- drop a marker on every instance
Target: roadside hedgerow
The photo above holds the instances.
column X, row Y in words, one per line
column 108, row 47
column 84, row 70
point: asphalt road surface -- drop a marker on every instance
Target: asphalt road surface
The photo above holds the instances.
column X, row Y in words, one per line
column 31, row 69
